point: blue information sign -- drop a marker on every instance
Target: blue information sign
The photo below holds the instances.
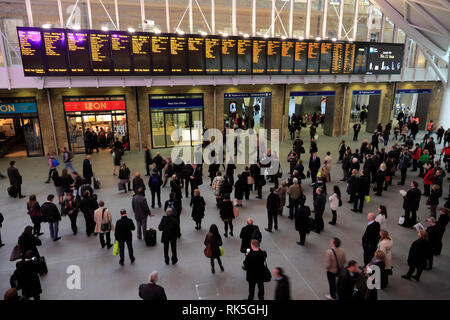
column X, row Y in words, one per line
column 17, row 107
column 312, row 93
column 366, row 92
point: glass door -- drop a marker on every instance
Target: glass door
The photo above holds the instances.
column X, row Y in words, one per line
column 181, row 121
column 75, row 132
column 32, row 135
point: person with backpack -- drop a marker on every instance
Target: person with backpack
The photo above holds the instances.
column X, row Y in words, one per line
column 335, row 202
column 103, row 224
column 68, row 158
column 213, row 250
column 155, row 182
column 34, row 211
column 170, row 228
column 51, row 215
column 141, row 212
column 335, row 262
column 198, row 205
column 70, row 208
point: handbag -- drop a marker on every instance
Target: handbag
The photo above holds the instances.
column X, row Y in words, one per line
column 367, row 198
column 235, row 212
column 267, row 273
column 208, row 251
column 55, row 162
column 221, row 250
column 401, row 220
column 116, row 248
column 16, row 253
column 105, row 227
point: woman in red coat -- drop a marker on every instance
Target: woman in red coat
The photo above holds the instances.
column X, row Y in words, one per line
column 428, row 181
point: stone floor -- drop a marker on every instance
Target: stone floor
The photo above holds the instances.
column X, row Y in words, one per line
column 103, row 278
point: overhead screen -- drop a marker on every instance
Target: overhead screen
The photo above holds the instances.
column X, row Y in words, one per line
column 64, row 52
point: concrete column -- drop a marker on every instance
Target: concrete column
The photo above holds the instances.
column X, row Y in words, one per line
column 444, row 116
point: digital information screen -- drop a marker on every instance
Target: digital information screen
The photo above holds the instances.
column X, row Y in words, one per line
column 196, row 61
column 301, row 54
column 259, row 56
column 229, row 55
column 212, row 55
column 313, row 57
column 100, row 43
column 31, row 50
column 178, row 55
column 326, row 54
column 273, row 56
column 121, row 52
column 141, row 52
column 349, row 58
column 338, row 57
column 360, row 59
column 78, row 51
column 161, row 55
column 55, row 52
column 287, row 57
column 384, row 58
column 244, row 56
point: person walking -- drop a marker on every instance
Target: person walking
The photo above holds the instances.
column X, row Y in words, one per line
column 239, row 189
column 51, row 166
column 15, row 179
column 170, row 228
column 68, row 158
column 151, row 291
column 282, row 290
column 155, row 182
column 124, row 176
column 148, row 160
column 249, row 232
column 227, row 214
column 198, row 205
column 70, row 208
column 213, row 250
column 435, row 238
column 87, row 169
column 370, row 238
column 50, row 214
column 362, row 192
column 123, row 235
column 346, row 282
column 103, row 224
column 335, row 263
column 88, row 205
column 272, row 206
column 141, row 212
column 29, row 280
column 117, row 159
column 417, row 256
column 34, row 211
column 319, row 208
column 302, row 223
column 254, row 264
column 29, row 242
column 433, row 199
column 59, row 186
column 335, row 202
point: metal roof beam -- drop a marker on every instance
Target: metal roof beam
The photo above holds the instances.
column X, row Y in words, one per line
column 432, row 20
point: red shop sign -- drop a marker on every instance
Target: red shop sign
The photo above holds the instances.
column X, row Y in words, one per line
column 94, row 105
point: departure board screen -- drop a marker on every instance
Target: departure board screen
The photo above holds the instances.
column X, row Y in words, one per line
column 31, row 50
column 273, row 56
column 78, row 51
column 300, row 57
column 313, row 57
column 326, row 54
column 349, row 58
column 337, row 61
column 55, row 52
column 259, row 56
column 360, row 58
column 287, row 56
column 99, row 43
column 121, row 52
column 212, row 55
column 141, row 50
column 178, row 55
column 384, row 58
column 229, row 46
column 196, row 61
column 161, row 54
column 244, row 56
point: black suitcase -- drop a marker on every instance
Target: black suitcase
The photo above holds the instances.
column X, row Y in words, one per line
column 150, row 237
column 42, row 266
column 97, row 183
column 12, row 191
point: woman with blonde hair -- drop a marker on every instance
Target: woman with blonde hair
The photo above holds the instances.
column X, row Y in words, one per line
column 385, row 246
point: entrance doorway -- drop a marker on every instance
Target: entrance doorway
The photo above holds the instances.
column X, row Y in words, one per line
column 365, row 108
column 412, row 102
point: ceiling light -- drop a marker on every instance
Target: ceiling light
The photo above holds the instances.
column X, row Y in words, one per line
column 76, row 27
column 333, row 39
column 180, row 32
column 203, row 33
column 157, row 31
column 266, row 35
column 318, row 39
column 47, row 26
column 283, row 37
column 131, row 30
column 104, row 28
column 246, row 35
column 351, row 40
column 301, row 38
column 224, row 34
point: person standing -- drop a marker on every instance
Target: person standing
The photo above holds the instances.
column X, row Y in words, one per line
column 155, row 183
column 29, row 242
column 282, row 290
column 170, row 228
column 151, row 291
column 87, row 169
column 314, row 166
column 103, row 224
column 272, row 206
column 435, row 238
column 302, row 223
column 213, row 243
column 68, row 158
column 385, row 246
column 294, row 192
column 141, row 212
column 259, row 180
column 88, row 205
column 138, row 183
column 403, row 166
column 249, row 232
column 116, row 153
column 50, row 214
column 417, row 257
column 411, row 202
column 70, row 207
column 319, row 208
column 335, row 201
column 158, row 161
column 254, row 264
column 123, row 234
column 148, row 160
column 356, row 129
column 281, row 191
column 370, row 238
column 335, row 262
column 227, row 214
column 198, row 205
column 124, row 176
column 34, row 210
column 15, row 179
column 362, row 192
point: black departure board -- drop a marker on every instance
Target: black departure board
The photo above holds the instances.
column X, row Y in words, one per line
column 31, row 49
column 326, row 54
column 78, row 52
column 178, row 54
column 338, row 58
column 348, row 61
column 300, row 57
column 259, row 56
column 121, row 52
column 100, row 43
column 273, row 56
column 287, row 56
column 229, row 46
column 161, row 54
column 55, row 52
column 196, row 61
column 313, row 57
column 212, row 55
column 384, row 58
column 244, row 56
column 141, row 52
column 360, row 65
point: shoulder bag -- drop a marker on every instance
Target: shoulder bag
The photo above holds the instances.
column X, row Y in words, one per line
column 338, row 273
column 105, row 227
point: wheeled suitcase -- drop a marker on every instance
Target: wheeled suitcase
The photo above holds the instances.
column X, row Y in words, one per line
column 121, row 186
column 150, row 237
column 97, row 183
column 12, row 191
column 42, row 266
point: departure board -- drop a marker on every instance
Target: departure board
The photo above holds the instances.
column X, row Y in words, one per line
column 300, row 57
column 78, row 52
column 259, row 56
column 99, row 43
column 178, row 54
column 287, row 56
column 229, row 46
column 337, row 61
column 384, row 58
column 161, row 54
column 244, row 56
column 141, row 50
column 273, row 56
column 196, row 47
column 55, row 52
column 326, row 54
column 360, row 58
column 349, row 58
column 121, row 52
column 313, row 57
column 31, row 50
column 212, row 55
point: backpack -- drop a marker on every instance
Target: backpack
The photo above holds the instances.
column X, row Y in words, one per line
column 155, row 181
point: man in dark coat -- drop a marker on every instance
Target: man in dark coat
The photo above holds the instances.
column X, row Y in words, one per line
column 124, row 227
column 272, row 205
column 302, row 215
column 87, row 169
column 282, row 290
column 159, row 163
column 249, row 232
column 417, row 257
column 141, row 212
column 356, row 129
column 170, row 228
column 255, row 172
column 346, row 281
column 362, row 192
column 155, row 183
column 50, row 214
column 319, row 208
column 151, row 291
column 254, row 264
column 314, row 166
column 15, row 179
column 370, row 238
column 88, row 205
column 411, row 203
column 435, row 237
column 195, row 178
column 148, row 160
column 138, row 183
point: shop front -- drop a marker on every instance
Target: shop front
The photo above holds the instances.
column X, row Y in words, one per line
column 181, row 112
column 20, row 132
column 365, row 108
column 413, row 102
column 104, row 115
